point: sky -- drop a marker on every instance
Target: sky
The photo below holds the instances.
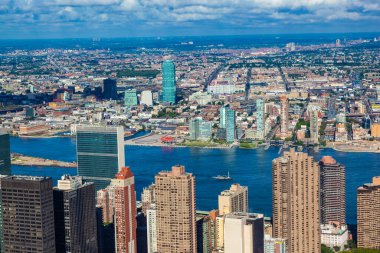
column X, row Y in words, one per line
column 21, row 19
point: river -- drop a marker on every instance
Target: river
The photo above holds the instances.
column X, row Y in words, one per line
column 247, row 167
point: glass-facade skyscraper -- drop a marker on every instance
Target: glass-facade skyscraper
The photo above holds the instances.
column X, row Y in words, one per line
column 100, row 153
column 168, row 82
column 227, row 122
column 200, row 129
column 5, row 156
column 130, row 97
column 260, row 119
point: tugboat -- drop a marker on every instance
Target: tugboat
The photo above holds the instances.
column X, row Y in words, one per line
column 223, row 177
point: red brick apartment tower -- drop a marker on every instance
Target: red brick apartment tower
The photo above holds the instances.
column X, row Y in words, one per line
column 125, row 211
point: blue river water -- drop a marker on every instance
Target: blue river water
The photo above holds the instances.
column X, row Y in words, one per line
column 247, row 167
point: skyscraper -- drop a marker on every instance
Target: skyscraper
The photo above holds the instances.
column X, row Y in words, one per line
column 296, row 208
column 228, row 123
column 369, row 215
column 105, row 199
column 75, row 216
column 284, row 116
column 27, row 214
column 5, row 155
column 260, row 119
column 109, row 89
column 233, row 200
column 130, row 97
column 100, row 153
column 168, row 82
column 244, row 232
column 333, row 191
column 200, row 129
column 151, row 225
column 314, row 128
column 175, row 210
column 125, row 211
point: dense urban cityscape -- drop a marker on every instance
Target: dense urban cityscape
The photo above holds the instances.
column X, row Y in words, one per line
column 297, row 98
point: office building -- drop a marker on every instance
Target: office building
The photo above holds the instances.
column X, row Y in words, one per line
column 284, row 116
column 274, row 245
column 130, row 97
column 75, row 216
column 148, row 197
column 27, row 214
column 233, row 200
column 100, row 153
column 369, row 215
column 296, row 208
column 244, row 232
column 146, row 98
column 125, row 211
column 260, row 119
column 175, row 207
column 200, row 129
column 109, row 89
column 314, row 128
column 5, row 155
column 228, row 123
column 151, row 225
column 168, row 82
column 333, row 191
column 334, row 235
column 105, row 199
column 206, row 238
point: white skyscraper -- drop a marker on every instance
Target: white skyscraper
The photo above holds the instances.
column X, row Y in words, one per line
column 151, row 225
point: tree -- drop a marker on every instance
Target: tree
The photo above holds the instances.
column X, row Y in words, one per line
column 325, row 249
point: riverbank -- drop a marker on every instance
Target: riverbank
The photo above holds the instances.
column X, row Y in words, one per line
column 22, row 160
column 359, row 146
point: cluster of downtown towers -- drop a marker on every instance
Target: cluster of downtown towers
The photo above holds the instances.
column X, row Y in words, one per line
column 37, row 217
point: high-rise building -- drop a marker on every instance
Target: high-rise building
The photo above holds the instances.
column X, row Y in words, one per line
column 27, row 214
column 296, row 208
column 146, row 98
column 100, row 153
column 333, row 191
column 369, row 215
column 148, row 197
column 130, row 97
column 284, row 116
column 233, row 200
column 260, row 119
column 244, row 232
column 228, row 123
column 274, row 245
column 168, row 82
column 105, row 199
column 75, row 216
column 206, row 235
column 109, row 89
column 219, row 232
column 151, row 225
column 200, row 129
column 175, row 210
column 314, row 128
column 125, row 211
column 5, row 155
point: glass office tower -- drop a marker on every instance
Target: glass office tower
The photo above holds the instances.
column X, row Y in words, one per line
column 5, row 156
column 100, row 153
column 168, row 82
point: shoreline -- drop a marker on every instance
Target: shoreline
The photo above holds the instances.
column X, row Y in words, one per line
column 23, row 160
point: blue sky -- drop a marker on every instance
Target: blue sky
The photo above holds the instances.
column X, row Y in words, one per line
column 125, row 18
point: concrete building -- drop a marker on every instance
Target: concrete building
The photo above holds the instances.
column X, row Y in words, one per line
column 260, row 119
column 233, row 200
column 5, row 155
column 334, row 234
column 130, row 97
column 146, row 98
column 200, row 129
column 201, row 98
column 314, row 127
column 219, row 232
column 369, row 215
column 105, row 199
column 100, row 153
column 375, row 129
column 274, row 245
column 125, row 211
column 168, row 82
column 243, row 233
column 75, row 216
column 333, row 191
column 175, row 207
column 27, row 214
column 151, row 225
column 284, row 116
column 148, row 197
column 296, row 208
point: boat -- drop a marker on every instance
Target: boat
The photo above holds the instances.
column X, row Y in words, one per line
column 223, row 177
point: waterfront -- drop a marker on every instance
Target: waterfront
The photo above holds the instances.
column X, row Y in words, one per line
column 247, row 167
